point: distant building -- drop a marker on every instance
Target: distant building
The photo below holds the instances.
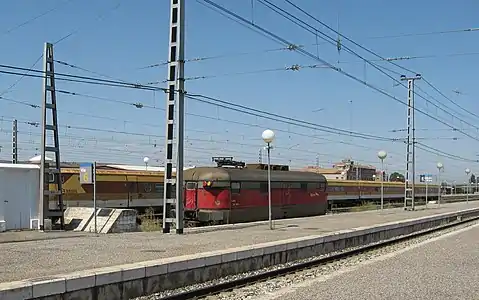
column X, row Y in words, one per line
column 330, row 173
column 347, row 170
column 356, row 171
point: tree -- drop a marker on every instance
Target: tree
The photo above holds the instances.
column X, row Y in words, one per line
column 396, row 177
column 473, row 178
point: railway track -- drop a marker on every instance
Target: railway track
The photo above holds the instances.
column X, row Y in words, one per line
column 209, row 290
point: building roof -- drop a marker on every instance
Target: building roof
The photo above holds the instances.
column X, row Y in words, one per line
column 322, row 170
column 18, row 166
column 141, row 168
column 36, row 159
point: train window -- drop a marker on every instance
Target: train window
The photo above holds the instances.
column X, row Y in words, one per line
column 191, row 185
column 263, row 187
column 245, row 185
column 296, row 185
column 313, row 186
column 322, row 187
column 304, row 186
column 235, row 187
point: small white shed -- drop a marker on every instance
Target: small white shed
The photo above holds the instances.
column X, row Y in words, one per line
column 19, row 194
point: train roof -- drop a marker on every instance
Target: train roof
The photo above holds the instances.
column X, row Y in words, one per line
column 233, row 174
column 341, row 182
column 19, row 166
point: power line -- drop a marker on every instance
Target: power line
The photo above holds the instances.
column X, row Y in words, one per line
column 140, row 105
column 281, row 40
column 189, row 139
column 446, row 108
column 427, row 129
column 450, row 100
column 294, row 68
column 229, row 55
column 462, row 30
column 155, row 145
column 201, row 116
column 128, row 150
column 26, row 74
column 80, row 79
column 251, row 111
column 18, row 26
column 290, row 17
column 442, row 153
column 401, row 58
column 195, row 97
column 88, row 70
column 63, row 38
column 284, row 119
column 283, row 12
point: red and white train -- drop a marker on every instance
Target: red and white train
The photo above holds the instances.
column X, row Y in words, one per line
column 218, row 195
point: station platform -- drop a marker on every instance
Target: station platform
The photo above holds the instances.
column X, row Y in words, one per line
column 29, row 259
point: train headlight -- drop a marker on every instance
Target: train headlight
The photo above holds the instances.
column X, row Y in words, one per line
column 207, row 183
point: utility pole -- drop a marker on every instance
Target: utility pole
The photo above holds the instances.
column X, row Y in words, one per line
column 175, row 93
column 15, row 142
column 260, row 158
column 50, row 171
column 410, row 176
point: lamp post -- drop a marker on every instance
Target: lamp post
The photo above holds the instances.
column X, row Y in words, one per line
column 382, row 155
column 476, row 190
column 268, row 137
column 467, row 184
column 439, row 166
column 146, row 160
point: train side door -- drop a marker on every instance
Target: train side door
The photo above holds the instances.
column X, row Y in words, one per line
column 191, row 195
column 286, row 194
column 286, row 199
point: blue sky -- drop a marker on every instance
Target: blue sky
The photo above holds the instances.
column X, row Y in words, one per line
column 118, row 37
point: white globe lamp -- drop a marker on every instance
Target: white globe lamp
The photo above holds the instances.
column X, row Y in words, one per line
column 467, row 185
column 268, row 136
column 146, row 160
column 382, row 155
column 439, row 166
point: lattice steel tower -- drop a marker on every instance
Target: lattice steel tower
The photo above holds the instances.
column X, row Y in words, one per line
column 50, row 171
column 410, row 176
column 175, row 93
column 15, row 142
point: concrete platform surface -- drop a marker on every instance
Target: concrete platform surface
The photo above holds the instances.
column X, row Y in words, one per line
column 34, row 235
column 443, row 268
column 49, row 257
